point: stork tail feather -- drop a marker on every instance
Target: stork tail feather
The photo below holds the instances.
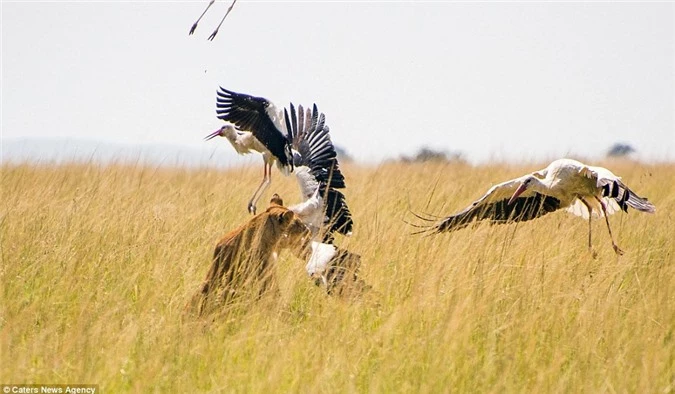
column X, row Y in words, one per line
column 625, row 197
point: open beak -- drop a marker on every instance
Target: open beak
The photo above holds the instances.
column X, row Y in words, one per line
column 517, row 193
column 212, row 135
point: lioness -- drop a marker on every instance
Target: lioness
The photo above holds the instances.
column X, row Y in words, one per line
column 244, row 258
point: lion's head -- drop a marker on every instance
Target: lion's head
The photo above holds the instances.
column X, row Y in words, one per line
column 286, row 224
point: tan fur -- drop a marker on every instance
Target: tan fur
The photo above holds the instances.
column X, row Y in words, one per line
column 244, row 258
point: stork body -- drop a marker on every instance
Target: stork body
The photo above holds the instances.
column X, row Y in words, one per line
column 583, row 190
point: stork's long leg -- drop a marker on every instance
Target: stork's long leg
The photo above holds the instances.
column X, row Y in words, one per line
column 617, row 250
column 267, row 179
column 590, row 216
column 194, row 27
column 213, row 35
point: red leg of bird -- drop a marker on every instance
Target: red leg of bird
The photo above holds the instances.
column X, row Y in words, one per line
column 194, row 27
column 617, row 250
column 267, row 179
column 590, row 216
column 213, row 35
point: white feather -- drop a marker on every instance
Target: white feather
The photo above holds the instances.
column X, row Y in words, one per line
column 611, row 205
column 579, row 209
column 322, row 254
column 310, row 212
column 277, row 116
column 306, row 181
column 243, row 141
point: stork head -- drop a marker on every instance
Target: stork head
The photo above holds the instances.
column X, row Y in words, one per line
column 221, row 132
column 528, row 182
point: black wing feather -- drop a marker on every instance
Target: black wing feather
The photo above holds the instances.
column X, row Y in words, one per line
column 522, row 209
column 249, row 113
column 337, row 212
column 311, row 138
column 288, row 124
column 317, row 151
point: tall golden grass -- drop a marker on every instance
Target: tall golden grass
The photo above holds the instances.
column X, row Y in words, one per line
column 99, row 261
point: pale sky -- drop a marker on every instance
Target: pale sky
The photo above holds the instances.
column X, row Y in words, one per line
column 517, row 81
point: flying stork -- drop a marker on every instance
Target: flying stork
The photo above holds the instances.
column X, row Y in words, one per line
column 213, row 35
column 298, row 142
column 583, row 190
column 259, row 126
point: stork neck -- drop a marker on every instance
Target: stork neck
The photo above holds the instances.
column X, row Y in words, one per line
column 230, row 133
column 539, row 185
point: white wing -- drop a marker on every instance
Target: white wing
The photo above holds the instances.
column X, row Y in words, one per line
column 502, row 191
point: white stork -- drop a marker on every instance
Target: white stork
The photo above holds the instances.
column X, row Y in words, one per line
column 583, row 190
column 263, row 125
column 213, row 35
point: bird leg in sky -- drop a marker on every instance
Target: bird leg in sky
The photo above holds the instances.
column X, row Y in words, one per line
column 213, row 35
column 194, row 27
column 590, row 216
column 617, row 250
column 267, row 179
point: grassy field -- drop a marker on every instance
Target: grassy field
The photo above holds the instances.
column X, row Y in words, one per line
column 97, row 263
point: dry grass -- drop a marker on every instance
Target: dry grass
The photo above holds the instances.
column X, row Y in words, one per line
column 98, row 262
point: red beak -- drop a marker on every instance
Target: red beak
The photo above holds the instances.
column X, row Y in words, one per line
column 212, row 135
column 517, row 193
